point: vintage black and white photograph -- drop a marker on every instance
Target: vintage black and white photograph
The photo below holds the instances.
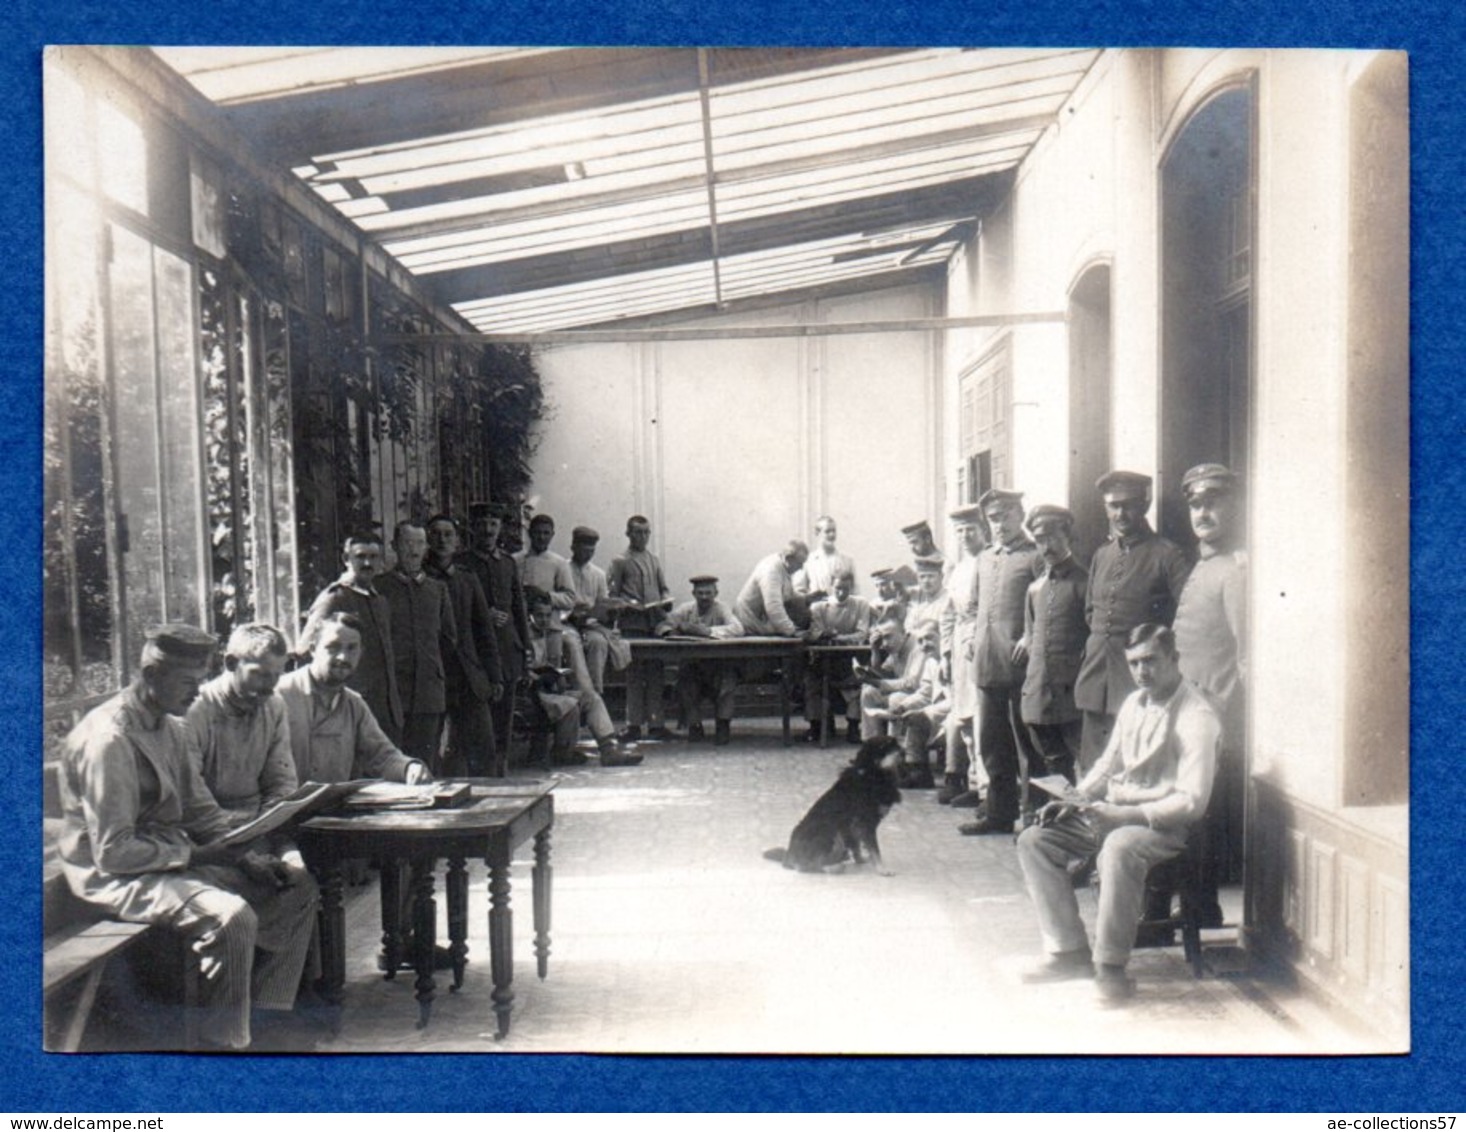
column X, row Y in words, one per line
column 790, row 550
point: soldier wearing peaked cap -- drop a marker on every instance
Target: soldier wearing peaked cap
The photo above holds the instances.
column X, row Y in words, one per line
column 1054, row 632
column 1005, row 570
column 1211, row 636
column 141, row 842
column 919, row 538
column 958, row 624
column 705, row 616
column 498, row 574
column 1135, row 579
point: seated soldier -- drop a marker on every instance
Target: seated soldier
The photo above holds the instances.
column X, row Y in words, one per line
column 918, row 716
column 842, row 618
column 898, row 672
column 141, row 842
column 930, row 597
column 1151, row 783
column 565, row 693
column 705, row 616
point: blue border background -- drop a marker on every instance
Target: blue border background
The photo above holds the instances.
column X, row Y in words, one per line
column 1430, row 1078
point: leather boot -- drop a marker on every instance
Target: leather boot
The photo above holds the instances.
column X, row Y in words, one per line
column 953, row 785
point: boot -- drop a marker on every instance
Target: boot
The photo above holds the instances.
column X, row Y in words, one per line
column 814, row 732
column 852, row 731
column 695, row 733
column 953, row 785
column 721, row 733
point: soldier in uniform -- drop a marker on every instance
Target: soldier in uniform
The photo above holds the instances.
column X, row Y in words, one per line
column 705, row 616
column 1135, row 578
column 1211, row 635
column 355, row 592
column 1005, row 570
column 1053, row 642
column 141, row 841
column 816, row 578
column 958, row 622
column 474, row 676
column 499, row 576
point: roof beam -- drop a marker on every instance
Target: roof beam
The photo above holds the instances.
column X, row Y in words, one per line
column 950, row 201
column 711, row 171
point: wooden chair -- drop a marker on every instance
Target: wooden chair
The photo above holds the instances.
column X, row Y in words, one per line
column 1180, row 882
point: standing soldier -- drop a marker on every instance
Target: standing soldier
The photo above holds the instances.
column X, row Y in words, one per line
column 1053, row 641
column 959, row 621
column 355, row 592
column 474, row 678
column 638, row 586
column 499, row 576
column 1135, row 579
column 423, row 633
column 1005, row 570
column 1211, row 635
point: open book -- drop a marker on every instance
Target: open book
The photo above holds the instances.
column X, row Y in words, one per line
column 1059, row 787
column 308, row 799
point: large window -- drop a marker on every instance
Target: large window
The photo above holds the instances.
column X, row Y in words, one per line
column 986, row 427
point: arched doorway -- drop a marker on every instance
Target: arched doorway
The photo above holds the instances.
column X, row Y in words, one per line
column 1089, row 404
column 1207, row 226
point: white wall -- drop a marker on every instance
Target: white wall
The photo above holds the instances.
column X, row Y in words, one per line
column 733, row 446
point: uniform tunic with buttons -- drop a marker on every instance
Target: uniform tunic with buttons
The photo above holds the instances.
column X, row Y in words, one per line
column 1004, row 573
column 424, row 631
column 1131, row 582
column 959, row 623
column 1055, row 631
column 1211, row 628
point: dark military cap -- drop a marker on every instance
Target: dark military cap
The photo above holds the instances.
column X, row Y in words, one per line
column 1219, row 475
column 929, row 563
column 999, row 495
column 182, row 642
column 703, row 580
column 585, row 534
column 1123, row 483
column 883, row 573
column 916, row 528
column 972, row 513
column 1046, row 513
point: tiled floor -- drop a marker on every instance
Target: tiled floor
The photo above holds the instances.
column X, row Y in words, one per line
column 671, row 933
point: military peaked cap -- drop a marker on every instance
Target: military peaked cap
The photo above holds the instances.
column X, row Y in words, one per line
column 1119, row 482
column 916, row 528
column 1000, row 495
column 182, row 642
column 703, row 580
column 585, row 534
column 929, row 563
column 972, row 513
column 1219, row 474
column 1046, row 513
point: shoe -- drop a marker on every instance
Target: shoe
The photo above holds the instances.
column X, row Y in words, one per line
column 695, row 733
column 852, row 731
column 1060, row 967
column 621, row 757
column 953, row 786
column 813, row 735
column 442, row 959
column 721, row 733
column 660, row 734
column 967, row 800
column 984, row 826
column 1113, row 985
column 631, row 734
column 570, row 757
column 1155, row 935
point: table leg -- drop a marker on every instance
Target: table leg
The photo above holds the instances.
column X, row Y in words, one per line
column 424, row 931
column 826, row 662
column 501, row 942
column 543, row 876
column 457, row 887
column 785, row 695
column 391, row 895
column 331, row 919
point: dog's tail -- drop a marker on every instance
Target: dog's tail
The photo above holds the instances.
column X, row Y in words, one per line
column 777, row 853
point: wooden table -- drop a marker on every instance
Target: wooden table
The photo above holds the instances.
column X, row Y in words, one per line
column 825, row 657
column 731, row 651
column 499, row 818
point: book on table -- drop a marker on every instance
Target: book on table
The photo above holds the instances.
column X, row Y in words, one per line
column 307, row 799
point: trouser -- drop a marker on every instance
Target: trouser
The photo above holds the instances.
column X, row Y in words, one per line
column 472, row 746
column 226, row 925
column 565, row 710
column 1058, row 748
column 1047, row 854
column 644, row 682
column 698, row 678
column 585, row 655
column 844, row 693
column 501, row 715
column 422, row 735
column 1097, row 728
column 1003, row 741
column 917, row 730
column 1222, row 862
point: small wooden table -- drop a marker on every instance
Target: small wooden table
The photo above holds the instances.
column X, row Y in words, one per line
column 730, row 651
column 826, row 658
column 499, row 818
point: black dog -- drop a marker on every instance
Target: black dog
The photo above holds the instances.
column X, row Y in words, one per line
column 841, row 825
